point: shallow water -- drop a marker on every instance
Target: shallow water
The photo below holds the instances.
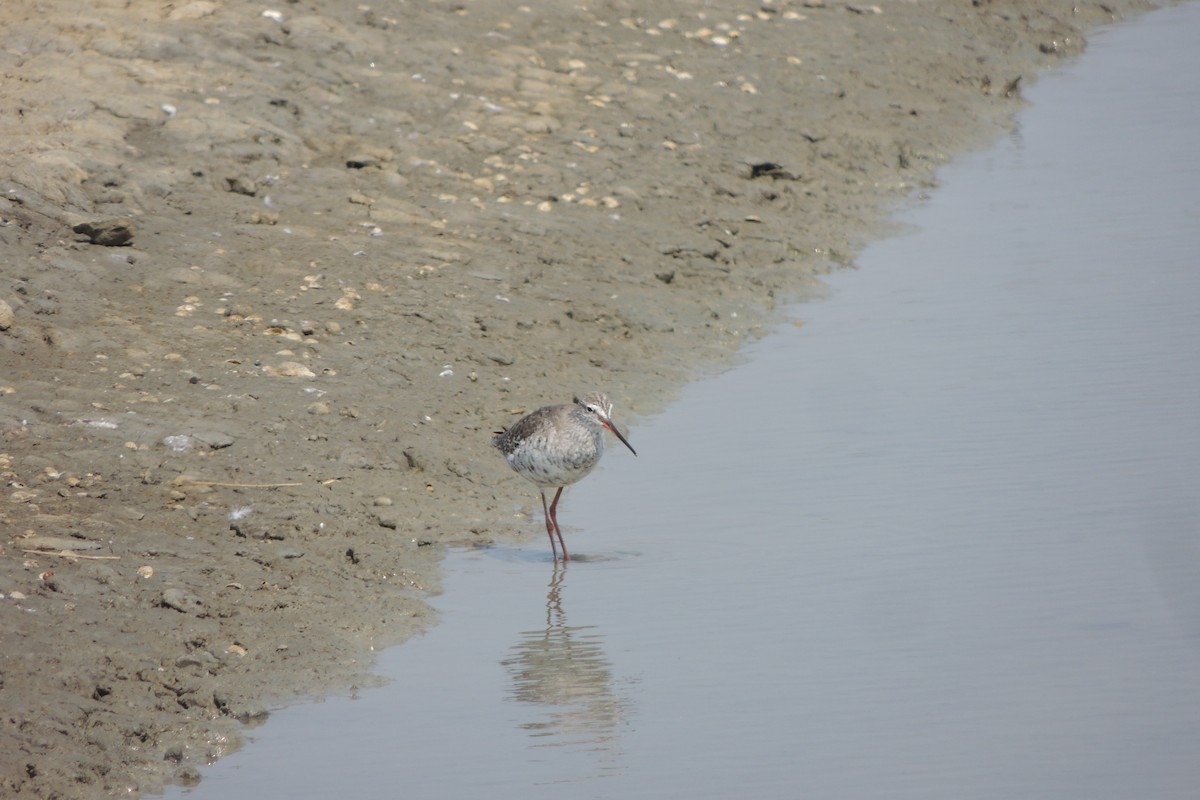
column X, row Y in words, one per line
column 940, row 540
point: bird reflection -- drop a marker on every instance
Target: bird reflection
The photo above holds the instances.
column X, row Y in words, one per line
column 563, row 669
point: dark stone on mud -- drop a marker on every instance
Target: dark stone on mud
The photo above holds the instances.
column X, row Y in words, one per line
column 187, row 776
column 766, row 169
column 362, row 161
column 117, row 232
column 239, row 710
column 240, row 184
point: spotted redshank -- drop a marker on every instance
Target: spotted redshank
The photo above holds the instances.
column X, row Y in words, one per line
column 557, row 446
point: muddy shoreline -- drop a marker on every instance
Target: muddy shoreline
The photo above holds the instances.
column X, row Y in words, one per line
column 272, row 276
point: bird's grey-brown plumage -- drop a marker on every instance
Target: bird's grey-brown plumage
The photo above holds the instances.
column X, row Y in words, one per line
column 557, row 446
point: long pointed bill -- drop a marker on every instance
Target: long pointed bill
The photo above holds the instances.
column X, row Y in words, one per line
column 617, row 433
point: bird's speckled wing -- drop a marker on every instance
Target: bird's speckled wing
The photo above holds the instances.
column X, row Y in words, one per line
column 508, row 441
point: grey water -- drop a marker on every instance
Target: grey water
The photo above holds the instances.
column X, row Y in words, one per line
column 942, row 539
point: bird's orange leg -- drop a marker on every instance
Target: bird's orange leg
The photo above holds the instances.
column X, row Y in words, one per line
column 553, row 517
column 550, row 525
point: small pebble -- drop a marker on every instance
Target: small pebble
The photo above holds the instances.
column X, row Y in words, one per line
column 58, row 543
column 197, row 658
column 187, row 776
column 180, row 600
column 291, row 369
column 107, row 232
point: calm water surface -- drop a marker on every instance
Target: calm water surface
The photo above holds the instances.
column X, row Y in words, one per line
column 941, row 540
